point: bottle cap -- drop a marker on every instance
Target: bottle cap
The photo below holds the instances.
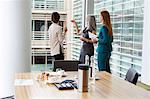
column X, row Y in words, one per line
column 83, row 66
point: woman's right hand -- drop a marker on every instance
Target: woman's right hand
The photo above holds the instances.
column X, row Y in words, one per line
column 76, row 26
column 73, row 21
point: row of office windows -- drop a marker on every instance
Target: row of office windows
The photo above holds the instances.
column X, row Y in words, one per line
column 39, row 25
column 48, row 5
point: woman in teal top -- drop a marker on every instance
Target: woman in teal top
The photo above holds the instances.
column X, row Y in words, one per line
column 105, row 38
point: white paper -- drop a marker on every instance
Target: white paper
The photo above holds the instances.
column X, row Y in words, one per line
column 53, row 80
column 23, row 82
column 73, row 42
column 92, row 36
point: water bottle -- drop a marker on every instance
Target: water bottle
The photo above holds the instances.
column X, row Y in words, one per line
column 87, row 62
column 83, row 72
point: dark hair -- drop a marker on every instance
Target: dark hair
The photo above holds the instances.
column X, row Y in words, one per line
column 55, row 17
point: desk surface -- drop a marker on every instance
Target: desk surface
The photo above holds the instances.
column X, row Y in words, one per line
column 109, row 87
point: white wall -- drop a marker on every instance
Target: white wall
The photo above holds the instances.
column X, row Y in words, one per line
column 146, row 45
column 15, row 42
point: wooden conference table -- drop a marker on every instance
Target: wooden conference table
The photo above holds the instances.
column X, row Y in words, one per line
column 108, row 87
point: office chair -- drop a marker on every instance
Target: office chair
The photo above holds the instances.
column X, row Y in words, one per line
column 132, row 76
column 67, row 65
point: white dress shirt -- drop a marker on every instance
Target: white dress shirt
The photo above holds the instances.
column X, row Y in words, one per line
column 56, row 36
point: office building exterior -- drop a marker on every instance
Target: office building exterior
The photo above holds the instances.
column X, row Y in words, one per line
column 55, row 5
column 41, row 20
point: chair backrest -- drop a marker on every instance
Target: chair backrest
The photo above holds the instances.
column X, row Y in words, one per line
column 67, row 65
column 132, row 76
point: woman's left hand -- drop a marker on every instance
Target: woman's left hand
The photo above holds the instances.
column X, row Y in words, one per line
column 84, row 39
column 95, row 40
column 65, row 29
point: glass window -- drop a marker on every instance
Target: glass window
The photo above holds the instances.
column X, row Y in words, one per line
column 127, row 23
column 128, row 19
column 138, row 31
column 137, row 53
column 137, row 46
column 137, row 39
column 128, row 12
column 108, row 3
column 126, row 44
column 117, row 25
column 126, row 58
column 139, row 3
column 39, row 25
column 117, row 19
column 117, row 7
column 128, row 5
column 139, row 18
column 117, row 31
column 138, row 25
column 138, row 10
column 117, row 1
column 126, row 51
column 127, row 31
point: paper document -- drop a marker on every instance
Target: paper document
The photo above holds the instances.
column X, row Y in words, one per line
column 23, row 82
column 92, row 36
column 73, row 42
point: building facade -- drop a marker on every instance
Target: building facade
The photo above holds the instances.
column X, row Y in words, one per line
column 41, row 20
column 127, row 22
column 53, row 5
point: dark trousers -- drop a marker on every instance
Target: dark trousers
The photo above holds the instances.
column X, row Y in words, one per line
column 108, row 66
column 59, row 56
